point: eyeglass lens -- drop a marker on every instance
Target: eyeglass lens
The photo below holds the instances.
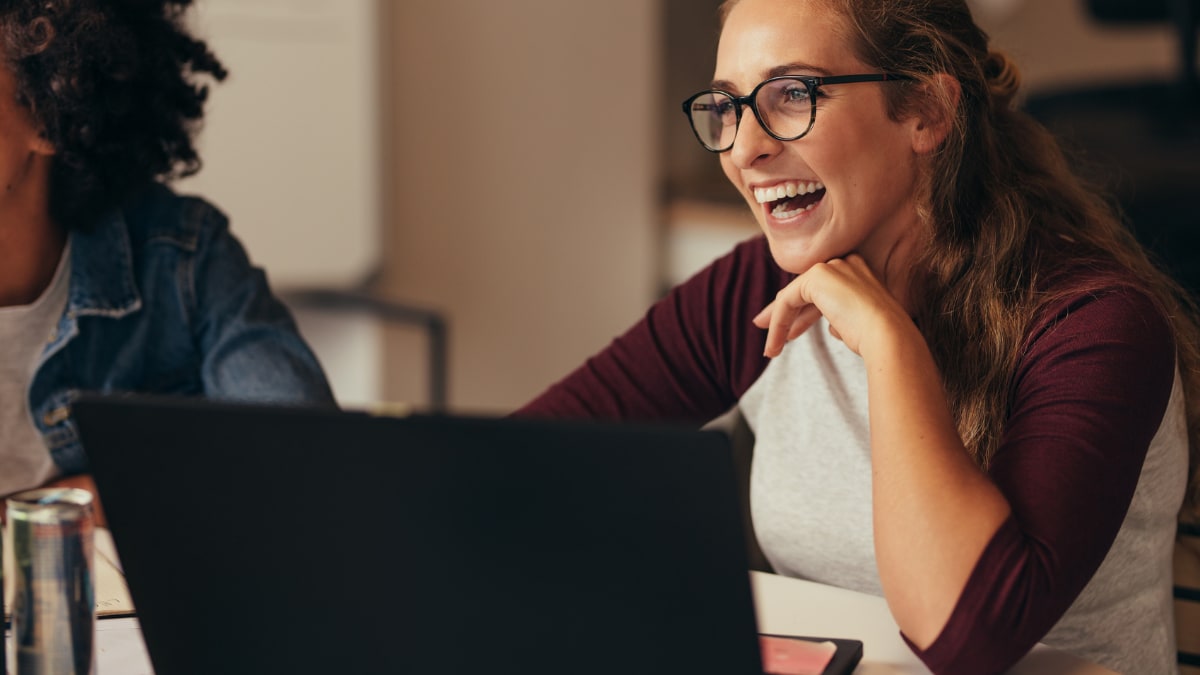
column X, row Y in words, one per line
column 784, row 107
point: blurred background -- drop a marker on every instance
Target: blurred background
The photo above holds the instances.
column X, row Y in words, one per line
column 463, row 199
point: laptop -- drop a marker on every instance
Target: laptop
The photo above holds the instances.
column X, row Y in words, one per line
column 259, row 539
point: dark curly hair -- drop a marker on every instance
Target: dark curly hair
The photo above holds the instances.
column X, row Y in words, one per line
column 115, row 86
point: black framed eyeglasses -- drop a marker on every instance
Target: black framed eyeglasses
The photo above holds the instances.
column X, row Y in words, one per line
column 785, row 106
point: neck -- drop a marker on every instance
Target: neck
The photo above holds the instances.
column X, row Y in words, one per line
column 31, row 245
column 891, row 259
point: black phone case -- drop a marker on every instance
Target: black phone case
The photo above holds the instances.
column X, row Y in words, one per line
column 847, row 656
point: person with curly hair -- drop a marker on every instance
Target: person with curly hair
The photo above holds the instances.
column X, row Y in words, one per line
column 971, row 392
column 109, row 281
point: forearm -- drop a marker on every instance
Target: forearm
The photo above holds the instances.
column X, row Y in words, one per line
column 934, row 509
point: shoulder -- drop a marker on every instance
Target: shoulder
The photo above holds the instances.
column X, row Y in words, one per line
column 748, row 272
column 727, row 293
column 1105, row 305
column 1108, row 329
column 715, row 308
column 752, row 254
column 158, row 215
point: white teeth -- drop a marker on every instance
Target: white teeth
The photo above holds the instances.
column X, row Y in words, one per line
column 779, row 213
column 785, row 190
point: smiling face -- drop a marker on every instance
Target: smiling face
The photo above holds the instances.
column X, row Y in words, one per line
column 847, row 186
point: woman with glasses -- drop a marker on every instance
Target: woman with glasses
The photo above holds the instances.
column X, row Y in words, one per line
column 970, row 390
column 108, row 280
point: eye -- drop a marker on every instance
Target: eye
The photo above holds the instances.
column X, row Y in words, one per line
column 786, row 93
column 795, row 93
column 715, row 105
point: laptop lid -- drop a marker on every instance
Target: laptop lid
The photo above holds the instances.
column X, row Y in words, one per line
column 264, row 539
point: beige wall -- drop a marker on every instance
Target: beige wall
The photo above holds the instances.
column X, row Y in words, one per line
column 521, row 183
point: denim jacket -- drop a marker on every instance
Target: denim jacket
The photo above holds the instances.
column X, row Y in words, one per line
column 163, row 300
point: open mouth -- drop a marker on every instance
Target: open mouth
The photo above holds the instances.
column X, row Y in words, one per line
column 790, row 199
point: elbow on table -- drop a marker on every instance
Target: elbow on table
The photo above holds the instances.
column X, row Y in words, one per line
column 973, row 650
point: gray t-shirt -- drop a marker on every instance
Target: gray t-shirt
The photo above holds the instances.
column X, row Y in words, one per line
column 24, row 331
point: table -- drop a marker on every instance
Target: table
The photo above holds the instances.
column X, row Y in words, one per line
column 798, row 607
column 788, row 606
column 119, row 648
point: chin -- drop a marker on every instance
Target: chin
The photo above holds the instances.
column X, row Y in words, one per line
column 793, row 257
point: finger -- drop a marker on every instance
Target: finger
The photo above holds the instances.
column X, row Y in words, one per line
column 763, row 318
column 782, row 317
column 803, row 321
column 834, row 333
column 777, row 331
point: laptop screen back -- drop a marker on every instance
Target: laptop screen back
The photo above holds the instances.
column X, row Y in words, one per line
column 259, row 539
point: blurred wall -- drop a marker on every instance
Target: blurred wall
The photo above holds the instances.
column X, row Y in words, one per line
column 690, row 38
column 1057, row 44
column 292, row 155
column 521, row 184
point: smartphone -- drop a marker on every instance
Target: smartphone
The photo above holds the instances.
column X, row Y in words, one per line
column 802, row 655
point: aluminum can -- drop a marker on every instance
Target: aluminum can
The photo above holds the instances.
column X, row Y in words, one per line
column 54, row 607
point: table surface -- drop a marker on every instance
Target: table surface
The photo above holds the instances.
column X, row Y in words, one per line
column 788, row 606
column 798, row 607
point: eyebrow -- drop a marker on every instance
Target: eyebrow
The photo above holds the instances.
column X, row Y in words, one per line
column 795, row 68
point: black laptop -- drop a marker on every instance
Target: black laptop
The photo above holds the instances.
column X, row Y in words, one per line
column 291, row 540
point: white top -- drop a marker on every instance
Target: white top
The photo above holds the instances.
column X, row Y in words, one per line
column 24, row 331
column 810, row 490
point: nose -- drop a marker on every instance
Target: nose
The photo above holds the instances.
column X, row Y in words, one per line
column 752, row 144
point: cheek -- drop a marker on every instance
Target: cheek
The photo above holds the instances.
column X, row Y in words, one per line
column 730, row 170
column 860, row 161
column 735, row 177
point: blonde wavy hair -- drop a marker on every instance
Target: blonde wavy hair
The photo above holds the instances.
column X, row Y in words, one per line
column 1001, row 204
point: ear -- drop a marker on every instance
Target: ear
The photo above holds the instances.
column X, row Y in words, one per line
column 934, row 113
column 42, row 146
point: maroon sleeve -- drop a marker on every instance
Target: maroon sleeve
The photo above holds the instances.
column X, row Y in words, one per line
column 688, row 360
column 1089, row 393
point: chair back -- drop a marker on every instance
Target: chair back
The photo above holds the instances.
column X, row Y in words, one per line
column 1187, row 598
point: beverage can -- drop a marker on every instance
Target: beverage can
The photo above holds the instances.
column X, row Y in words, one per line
column 53, row 605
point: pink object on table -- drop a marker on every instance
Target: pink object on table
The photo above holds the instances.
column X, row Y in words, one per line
column 795, row 656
